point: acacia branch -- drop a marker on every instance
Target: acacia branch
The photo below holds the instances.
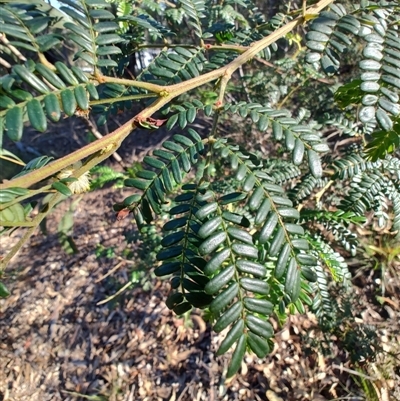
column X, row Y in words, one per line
column 100, row 148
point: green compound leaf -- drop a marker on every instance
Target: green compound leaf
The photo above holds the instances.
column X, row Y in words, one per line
column 236, row 218
column 209, row 227
column 81, row 97
column 268, row 228
column 233, row 335
column 169, row 253
column 174, row 299
column 68, row 102
column 206, row 210
column 262, row 212
column 52, row 107
column 237, row 356
column 245, row 250
column 166, row 269
column 259, row 326
column 182, row 308
column 62, row 188
column 50, row 76
column 315, row 163
column 277, row 242
column 255, row 285
column 309, row 274
column 292, row 283
column 224, row 298
column 172, row 239
column 258, row 344
column 249, row 267
column 216, row 261
column 36, row 115
column 240, row 235
column 212, row 243
column 14, row 123
column 31, row 79
column 228, row 317
column 261, row 306
column 220, row 280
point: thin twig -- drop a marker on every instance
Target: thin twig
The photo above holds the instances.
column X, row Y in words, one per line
column 353, row 372
column 279, row 71
column 246, row 89
column 288, row 96
column 93, row 129
column 115, row 268
column 319, row 194
column 120, row 291
column 184, row 391
column 122, row 99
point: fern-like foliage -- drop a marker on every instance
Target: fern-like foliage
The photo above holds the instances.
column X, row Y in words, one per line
column 346, row 126
column 336, row 223
column 281, row 171
column 364, row 190
column 29, row 28
column 94, row 30
column 251, row 227
column 331, row 266
column 63, row 90
column 175, row 66
column 376, row 90
column 330, row 34
column 306, row 186
column 195, row 11
column 298, row 139
column 353, row 164
column 218, row 257
column 102, row 175
column 172, row 162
